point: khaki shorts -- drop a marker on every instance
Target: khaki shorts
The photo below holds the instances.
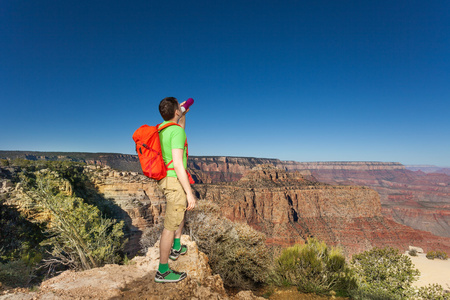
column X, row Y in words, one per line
column 175, row 202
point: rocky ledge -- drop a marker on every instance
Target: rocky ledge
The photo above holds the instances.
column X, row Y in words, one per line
column 136, row 281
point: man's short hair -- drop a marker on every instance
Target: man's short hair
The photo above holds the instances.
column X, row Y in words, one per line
column 167, row 108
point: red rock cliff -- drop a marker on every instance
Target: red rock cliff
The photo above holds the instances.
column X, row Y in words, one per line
column 400, row 189
column 289, row 208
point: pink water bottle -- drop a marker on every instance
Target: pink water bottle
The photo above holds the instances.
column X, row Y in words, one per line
column 187, row 104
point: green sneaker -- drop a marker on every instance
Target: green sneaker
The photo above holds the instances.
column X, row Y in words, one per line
column 174, row 254
column 170, row 276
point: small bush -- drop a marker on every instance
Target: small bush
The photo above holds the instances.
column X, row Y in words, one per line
column 55, row 220
column 150, row 236
column 19, row 237
column 412, row 252
column 15, row 273
column 437, row 254
column 383, row 274
column 442, row 255
column 432, row 292
column 235, row 251
column 79, row 237
column 431, row 255
column 314, row 267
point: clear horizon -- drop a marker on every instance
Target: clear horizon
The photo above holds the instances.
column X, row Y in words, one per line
column 413, row 165
column 292, row 80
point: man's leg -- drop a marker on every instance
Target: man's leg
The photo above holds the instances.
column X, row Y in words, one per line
column 179, row 230
column 164, row 273
column 165, row 245
column 177, row 248
column 176, row 201
column 177, row 238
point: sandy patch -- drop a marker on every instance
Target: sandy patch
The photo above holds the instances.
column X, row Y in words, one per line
column 431, row 271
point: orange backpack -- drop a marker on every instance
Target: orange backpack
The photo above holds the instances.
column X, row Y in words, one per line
column 148, row 148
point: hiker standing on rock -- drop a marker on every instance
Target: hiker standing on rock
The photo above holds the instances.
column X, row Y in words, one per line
column 176, row 187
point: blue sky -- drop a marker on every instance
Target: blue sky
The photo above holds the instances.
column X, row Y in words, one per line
column 294, row 80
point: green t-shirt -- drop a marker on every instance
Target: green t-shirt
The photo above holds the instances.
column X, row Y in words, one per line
column 172, row 137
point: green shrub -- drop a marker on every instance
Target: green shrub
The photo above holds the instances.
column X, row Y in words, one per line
column 431, row 255
column 412, row 252
column 432, row 292
column 314, row 267
column 383, row 274
column 15, row 273
column 55, row 220
column 235, row 251
column 22, row 162
column 19, row 237
column 442, row 255
column 79, row 236
column 437, row 254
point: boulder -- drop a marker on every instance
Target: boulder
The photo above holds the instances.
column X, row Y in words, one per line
column 417, row 249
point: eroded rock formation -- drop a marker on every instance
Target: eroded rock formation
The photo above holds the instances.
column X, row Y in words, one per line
column 139, row 197
column 415, row 199
column 289, row 208
column 411, row 198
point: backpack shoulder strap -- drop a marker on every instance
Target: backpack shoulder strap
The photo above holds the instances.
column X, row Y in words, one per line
column 160, row 128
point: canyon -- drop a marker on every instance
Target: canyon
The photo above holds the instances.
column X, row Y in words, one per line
column 289, row 208
column 413, row 198
column 416, row 199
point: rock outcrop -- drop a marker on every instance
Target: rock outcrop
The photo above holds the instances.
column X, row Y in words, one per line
column 136, row 281
column 225, row 169
column 142, row 202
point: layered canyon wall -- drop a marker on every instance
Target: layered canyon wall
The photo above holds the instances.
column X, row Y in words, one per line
column 289, row 208
column 141, row 201
column 413, row 198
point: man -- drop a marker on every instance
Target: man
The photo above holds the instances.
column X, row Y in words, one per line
column 176, row 187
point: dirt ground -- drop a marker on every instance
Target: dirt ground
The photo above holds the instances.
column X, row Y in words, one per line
column 432, row 271
column 291, row 293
